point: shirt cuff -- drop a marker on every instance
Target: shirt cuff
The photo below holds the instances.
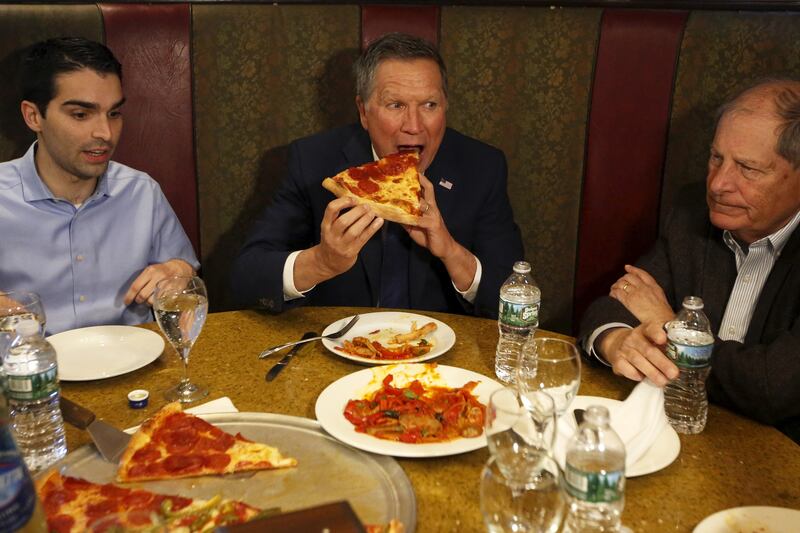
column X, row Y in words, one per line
column 470, row 294
column 290, row 292
column 588, row 344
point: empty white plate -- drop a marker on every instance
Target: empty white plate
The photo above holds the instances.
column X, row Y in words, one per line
column 100, row 352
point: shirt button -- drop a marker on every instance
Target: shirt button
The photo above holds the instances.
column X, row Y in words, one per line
column 747, row 278
column 79, row 258
column 732, row 330
column 82, row 298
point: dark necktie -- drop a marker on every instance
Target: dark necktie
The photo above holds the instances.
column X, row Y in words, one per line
column 394, row 267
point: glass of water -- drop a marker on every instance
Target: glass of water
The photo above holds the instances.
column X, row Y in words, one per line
column 520, row 431
column 536, row 506
column 19, row 305
column 181, row 305
column 550, row 365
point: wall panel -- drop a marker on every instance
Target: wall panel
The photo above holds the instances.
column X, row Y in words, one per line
column 263, row 76
column 521, row 80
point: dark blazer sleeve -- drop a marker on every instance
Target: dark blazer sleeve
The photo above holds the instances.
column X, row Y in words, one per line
column 498, row 242
column 285, row 225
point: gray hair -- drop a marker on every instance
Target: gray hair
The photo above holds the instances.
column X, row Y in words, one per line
column 393, row 46
column 784, row 94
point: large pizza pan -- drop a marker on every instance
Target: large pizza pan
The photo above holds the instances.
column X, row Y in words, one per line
column 327, row 471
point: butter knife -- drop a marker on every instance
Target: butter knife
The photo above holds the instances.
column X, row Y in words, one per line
column 280, row 365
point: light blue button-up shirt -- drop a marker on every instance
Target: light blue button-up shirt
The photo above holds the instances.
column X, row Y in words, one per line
column 82, row 260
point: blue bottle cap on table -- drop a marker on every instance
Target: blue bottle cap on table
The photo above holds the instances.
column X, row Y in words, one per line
column 137, row 399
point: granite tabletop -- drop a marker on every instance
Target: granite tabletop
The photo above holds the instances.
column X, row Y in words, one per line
column 734, row 462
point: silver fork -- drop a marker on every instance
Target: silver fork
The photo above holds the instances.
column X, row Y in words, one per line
column 334, row 335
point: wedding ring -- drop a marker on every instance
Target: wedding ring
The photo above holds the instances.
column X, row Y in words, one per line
column 625, row 287
column 425, row 210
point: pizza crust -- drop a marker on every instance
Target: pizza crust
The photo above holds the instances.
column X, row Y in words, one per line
column 385, row 211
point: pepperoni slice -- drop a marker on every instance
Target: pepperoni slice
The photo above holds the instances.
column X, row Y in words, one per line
column 179, row 502
column 148, row 454
column 182, row 463
column 113, row 492
column 136, row 471
column 75, row 483
column 180, row 441
column 217, row 461
column 55, row 499
column 101, row 508
column 368, row 186
column 137, row 499
column 60, row 523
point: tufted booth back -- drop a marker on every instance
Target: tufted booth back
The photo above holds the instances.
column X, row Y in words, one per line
column 602, row 113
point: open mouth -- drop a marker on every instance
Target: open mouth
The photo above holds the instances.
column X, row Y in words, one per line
column 411, row 147
column 97, row 155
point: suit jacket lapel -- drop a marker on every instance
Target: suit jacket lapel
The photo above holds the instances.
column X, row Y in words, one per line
column 719, row 275
column 357, row 151
column 781, row 269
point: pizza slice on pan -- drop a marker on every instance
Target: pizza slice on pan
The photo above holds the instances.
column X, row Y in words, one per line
column 174, row 444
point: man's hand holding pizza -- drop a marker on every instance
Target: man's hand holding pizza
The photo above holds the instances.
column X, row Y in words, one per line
column 345, row 229
column 432, row 233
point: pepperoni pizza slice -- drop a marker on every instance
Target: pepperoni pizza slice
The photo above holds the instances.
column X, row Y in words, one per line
column 390, row 186
column 174, row 444
column 75, row 505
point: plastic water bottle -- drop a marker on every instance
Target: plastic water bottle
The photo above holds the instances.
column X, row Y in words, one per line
column 20, row 510
column 689, row 345
column 518, row 318
column 594, row 477
column 32, row 389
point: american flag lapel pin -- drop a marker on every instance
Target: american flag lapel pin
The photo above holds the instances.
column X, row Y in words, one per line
column 446, row 184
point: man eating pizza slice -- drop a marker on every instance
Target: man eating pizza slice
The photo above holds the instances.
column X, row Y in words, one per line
column 308, row 246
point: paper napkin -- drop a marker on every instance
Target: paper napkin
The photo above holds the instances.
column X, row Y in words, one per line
column 220, row 405
column 638, row 421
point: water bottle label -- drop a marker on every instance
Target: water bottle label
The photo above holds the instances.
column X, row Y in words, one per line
column 595, row 487
column 33, row 386
column 686, row 356
column 520, row 315
column 17, row 494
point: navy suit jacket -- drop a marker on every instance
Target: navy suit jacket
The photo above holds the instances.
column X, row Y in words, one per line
column 475, row 208
column 759, row 377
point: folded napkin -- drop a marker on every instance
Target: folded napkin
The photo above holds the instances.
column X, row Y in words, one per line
column 220, row 405
column 638, row 421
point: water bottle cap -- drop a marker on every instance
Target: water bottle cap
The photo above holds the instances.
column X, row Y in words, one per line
column 138, row 398
column 522, row 267
column 693, row 302
column 597, row 415
column 27, row 326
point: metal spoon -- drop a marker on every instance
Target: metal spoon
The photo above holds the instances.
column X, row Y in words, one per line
column 334, row 335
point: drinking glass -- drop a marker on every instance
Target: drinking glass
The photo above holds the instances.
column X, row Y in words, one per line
column 181, row 306
column 534, row 507
column 551, row 365
column 19, row 305
column 16, row 306
column 520, row 431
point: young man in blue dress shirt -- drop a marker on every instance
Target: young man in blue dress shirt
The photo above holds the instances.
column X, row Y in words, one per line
column 91, row 236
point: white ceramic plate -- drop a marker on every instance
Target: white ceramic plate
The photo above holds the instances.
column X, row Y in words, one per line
column 443, row 338
column 664, row 450
column 100, row 352
column 755, row 519
column 331, row 403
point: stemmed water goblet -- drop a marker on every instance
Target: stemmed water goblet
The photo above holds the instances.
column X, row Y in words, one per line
column 181, row 305
column 520, row 483
column 551, row 365
column 18, row 305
